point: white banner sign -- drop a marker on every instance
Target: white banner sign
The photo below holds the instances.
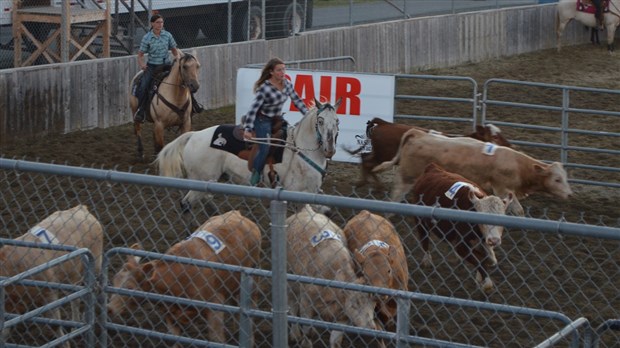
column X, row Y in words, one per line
column 364, row 97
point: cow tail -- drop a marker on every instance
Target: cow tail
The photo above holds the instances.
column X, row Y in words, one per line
column 394, row 161
column 387, row 164
column 353, row 152
column 170, row 159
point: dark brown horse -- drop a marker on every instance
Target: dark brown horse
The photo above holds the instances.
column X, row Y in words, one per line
column 172, row 102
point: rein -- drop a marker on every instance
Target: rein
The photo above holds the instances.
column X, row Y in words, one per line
column 293, row 147
column 179, row 111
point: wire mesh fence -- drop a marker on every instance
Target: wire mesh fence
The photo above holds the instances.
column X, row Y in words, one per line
column 549, row 272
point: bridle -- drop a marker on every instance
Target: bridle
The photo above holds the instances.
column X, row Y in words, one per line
column 183, row 83
column 178, row 110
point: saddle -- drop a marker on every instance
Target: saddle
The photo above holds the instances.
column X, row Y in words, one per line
column 229, row 138
column 278, row 131
column 159, row 75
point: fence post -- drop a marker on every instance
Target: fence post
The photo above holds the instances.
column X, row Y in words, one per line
column 245, row 321
column 278, row 268
column 402, row 321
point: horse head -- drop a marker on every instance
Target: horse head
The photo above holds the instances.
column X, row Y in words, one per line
column 188, row 69
column 327, row 126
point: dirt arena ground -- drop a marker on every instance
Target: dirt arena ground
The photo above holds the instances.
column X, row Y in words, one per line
column 586, row 66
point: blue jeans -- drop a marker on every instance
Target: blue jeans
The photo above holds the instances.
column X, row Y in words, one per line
column 142, row 92
column 262, row 127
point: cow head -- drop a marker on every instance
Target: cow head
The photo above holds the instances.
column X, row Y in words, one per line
column 376, row 264
column 131, row 276
column 554, row 179
column 359, row 306
column 491, row 205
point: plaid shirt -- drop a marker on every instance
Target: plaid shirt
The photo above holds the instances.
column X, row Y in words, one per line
column 157, row 47
column 269, row 101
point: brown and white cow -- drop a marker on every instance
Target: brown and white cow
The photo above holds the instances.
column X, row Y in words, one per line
column 380, row 257
column 385, row 139
column 497, row 169
column 316, row 248
column 228, row 238
column 473, row 242
column 74, row 227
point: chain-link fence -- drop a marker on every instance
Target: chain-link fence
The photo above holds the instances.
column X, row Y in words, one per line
column 554, row 280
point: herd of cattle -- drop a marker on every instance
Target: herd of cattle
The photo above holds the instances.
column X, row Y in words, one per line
column 439, row 170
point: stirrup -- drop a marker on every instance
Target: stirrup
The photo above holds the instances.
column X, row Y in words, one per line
column 139, row 116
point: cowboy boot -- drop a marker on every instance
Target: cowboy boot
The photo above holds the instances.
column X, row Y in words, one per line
column 139, row 115
column 255, row 179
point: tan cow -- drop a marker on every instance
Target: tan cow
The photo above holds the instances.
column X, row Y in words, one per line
column 385, row 138
column 228, row 238
column 75, row 227
column 379, row 255
column 497, row 169
column 316, row 248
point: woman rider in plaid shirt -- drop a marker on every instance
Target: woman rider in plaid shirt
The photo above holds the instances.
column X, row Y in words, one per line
column 271, row 90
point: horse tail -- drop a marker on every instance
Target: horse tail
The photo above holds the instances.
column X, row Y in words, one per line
column 170, row 159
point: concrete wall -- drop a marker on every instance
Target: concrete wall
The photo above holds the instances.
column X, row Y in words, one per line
column 61, row 98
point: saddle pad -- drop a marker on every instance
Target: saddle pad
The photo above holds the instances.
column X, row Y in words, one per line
column 223, row 139
column 588, row 7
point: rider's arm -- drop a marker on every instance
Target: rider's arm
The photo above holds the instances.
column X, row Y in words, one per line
column 296, row 99
column 141, row 60
column 175, row 52
column 259, row 99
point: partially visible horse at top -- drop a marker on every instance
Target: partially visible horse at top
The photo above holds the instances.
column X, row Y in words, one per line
column 171, row 104
column 583, row 11
column 208, row 154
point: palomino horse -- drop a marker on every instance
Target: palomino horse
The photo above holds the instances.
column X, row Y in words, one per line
column 172, row 103
column 200, row 155
column 567, row 11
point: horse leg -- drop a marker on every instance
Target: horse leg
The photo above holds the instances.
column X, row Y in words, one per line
column 594, row 36
column 137, row 129
column 611, row 33
column 559, row 30
column 158, row 137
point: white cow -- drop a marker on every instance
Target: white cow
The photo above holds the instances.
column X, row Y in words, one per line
column 316, row 248
column 75, row 227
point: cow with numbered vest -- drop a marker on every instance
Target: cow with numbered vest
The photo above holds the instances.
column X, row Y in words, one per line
column 497, row 169
column 228, row 238
column 316, row 248
column 475, row 243
column 75, row 227
column 384, row 138
column 380, row 258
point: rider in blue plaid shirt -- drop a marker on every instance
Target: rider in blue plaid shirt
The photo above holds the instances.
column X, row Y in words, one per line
column 272, row 90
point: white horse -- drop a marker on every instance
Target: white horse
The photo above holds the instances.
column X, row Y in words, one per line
column 310, row 143
column 567, row 11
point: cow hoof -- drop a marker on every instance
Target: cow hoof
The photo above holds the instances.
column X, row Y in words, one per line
column 427, row 261
column 185, row 207
column 486, row 284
